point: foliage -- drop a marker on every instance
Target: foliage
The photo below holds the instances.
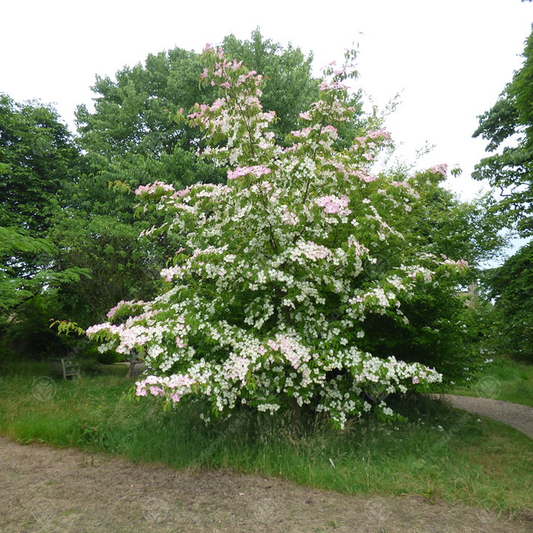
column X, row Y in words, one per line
column 268, row 299
column 508, row 127
column 15, row 287
column 26, row 267
column 36, row 155
column 289, row 87
column 120, row 266
column 28, row 334
column 442, row 224
column 511, row 286
column 131, row 138
column 66, row 327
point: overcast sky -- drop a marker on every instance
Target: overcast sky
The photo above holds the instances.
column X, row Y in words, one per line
column 449, row 59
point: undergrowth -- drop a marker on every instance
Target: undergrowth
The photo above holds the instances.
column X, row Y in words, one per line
column 439, row 453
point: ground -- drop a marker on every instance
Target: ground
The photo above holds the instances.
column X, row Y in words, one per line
column 49, row 490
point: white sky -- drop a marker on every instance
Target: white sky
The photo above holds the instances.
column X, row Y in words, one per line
column 450, row 58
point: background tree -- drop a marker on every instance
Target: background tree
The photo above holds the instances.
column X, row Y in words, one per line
column 511, row 286
column 132, row 138
column 508, row 128
column 289, row 85
column 37, row 157
column 441, row 223
column 132, row 135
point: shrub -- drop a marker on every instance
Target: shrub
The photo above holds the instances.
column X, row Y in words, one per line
column 292, row 288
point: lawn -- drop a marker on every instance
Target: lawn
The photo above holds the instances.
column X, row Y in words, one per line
column 502, row 379
column 439, row 453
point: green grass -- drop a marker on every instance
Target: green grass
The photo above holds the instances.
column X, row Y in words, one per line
column 503, row 379
column 438, row 453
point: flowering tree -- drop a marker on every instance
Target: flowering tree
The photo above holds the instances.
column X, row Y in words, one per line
column 267, row 297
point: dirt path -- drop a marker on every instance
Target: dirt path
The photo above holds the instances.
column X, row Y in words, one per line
column 66, row 491
column 518, row 416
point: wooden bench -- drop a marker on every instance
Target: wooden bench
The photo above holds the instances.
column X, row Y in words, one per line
column 65, row 367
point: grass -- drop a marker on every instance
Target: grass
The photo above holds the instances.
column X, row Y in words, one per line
column 503, row 379
column 438, row 453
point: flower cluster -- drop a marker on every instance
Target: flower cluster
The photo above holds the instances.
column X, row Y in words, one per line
column 276, row 280
column 257, row 171
column 334, row 205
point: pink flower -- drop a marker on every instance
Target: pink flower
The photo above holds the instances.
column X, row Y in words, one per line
column 257, row 171
column 330, row 131
column 382, row 133
column 154, row 187
column 334, row 205
column 439, row 169
column 302, row 133
column 182, row 192
column 363, row 176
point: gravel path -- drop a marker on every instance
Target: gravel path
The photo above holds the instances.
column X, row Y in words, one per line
column 518, row 416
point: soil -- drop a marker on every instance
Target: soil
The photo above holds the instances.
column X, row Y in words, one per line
column 49, row 490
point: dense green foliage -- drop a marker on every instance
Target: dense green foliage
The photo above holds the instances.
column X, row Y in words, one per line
column 443, row 224
column 508, row 128
column 511, row 286
column 37, row 155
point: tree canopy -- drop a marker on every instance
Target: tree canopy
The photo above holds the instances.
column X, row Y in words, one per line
column 511, row 287
column 37, row 155
column 508, row 128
